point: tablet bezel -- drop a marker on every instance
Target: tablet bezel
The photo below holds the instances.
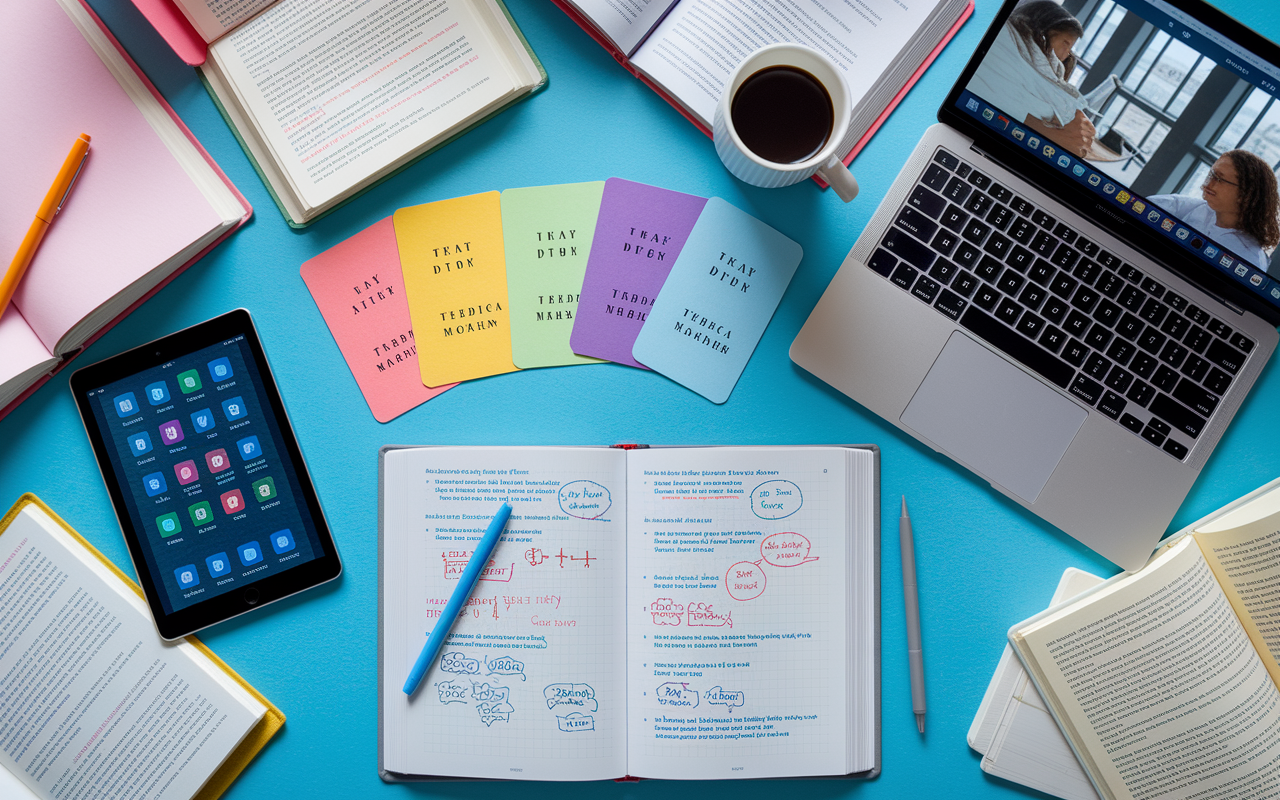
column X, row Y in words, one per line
column 322, row 569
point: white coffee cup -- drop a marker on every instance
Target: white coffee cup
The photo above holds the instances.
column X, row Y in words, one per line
column 757, row 171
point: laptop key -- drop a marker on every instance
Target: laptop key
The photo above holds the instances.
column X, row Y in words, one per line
column 1218, row 328
column 915, row 223
column 1225, row 356
column 963, row 170
column 1055, row 309
column 935, row 177
column 1151, row 434
column 1087, row 271
column 1010, row 282
column 943, row 271
column 978, row 203
column 1119, row 378
column 1042, row 219
column 1052, row 339
column 989, row 269
column 1177, row 415
column 956, row 190
column 1076, row 324
column 1064, row 233
column 1131, row 297
column 1176, row 325
column 1195, row 368
column 1112, row 405
column 986, row 297
column 1153, row 288
column 1063, row 284
column 1110, row 284
column 953, row 218
column 975, row 231
column 1151, row 340
column 950, row 303
column 1095, row 366
column 882, row 261
column 1107, row 313
column 1042, row 244
column 1218, row 381
column 1016, row 347
column 998, row 246
column 1085, row 299
column 1021, row 206
column 1140, row 393
column 979, row 180
column 1164, row 378
column 1143, row 365
column 1008, row 311
column 904, row 275
column 1000, row 193
column 1032, row 296
column 1173, row 354
column 1132, row 423
column 1065, row 256
column 1175, row 448
column 967, row 255
column 1020, row 258
column 1242, row 343
column 964, row 284
column 1195, row 397
column 1087, row 247
column 1130, row 273
column 927, row 202
column 926, row 288
column 1121, row 351
column 1176, row 301
column 1107, row 260
column 1030, row 325
column 1022, row 230
column 1197, row 339
column 1198, row 315
column 944, row 242
column 1075, row 352
column 946, row 159
column 1000, row 216
column 1086, row 389
column 1041, row 272
column 1154, row 311
column 1098, row 336
column 900, row 243
column 1130, row 327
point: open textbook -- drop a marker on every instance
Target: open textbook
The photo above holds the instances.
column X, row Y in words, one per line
column 94, row 703
column 328, row 98
column 684, row 613
column 1164, row 681
column 686, row 49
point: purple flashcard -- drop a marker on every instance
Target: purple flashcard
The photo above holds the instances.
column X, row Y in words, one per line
column 638, row 236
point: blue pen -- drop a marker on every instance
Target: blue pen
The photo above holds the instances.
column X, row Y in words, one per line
column 466, row 584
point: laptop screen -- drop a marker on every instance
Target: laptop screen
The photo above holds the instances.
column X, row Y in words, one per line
column 1165, row 120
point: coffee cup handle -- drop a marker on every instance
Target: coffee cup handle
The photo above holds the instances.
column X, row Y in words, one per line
column 835, row 173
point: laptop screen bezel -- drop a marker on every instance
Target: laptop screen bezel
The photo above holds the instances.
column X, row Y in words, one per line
column 1089, row 205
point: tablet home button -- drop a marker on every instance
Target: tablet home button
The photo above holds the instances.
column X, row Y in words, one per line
column 251, row 596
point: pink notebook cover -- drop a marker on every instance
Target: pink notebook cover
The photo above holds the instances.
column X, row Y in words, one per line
column 208, row 159
column 622, row 59
column 359, row 288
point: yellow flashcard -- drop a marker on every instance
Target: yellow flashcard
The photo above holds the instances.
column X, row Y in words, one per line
column 455, row 279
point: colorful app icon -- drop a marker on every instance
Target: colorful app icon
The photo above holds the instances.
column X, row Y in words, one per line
column 217, row 461
column 1049, row 151
column 1255, row 279
column 168, row 524
column 1182, row 233
column 186, row 472
column 154, row 484
column 1241, row 270
column 972, row 104
column 220, row 369
column 1019, row 133
column 1064, row 161
column 234, row 408
column 1033, row 142
column 1002, row 121
column 202, row 420
column 1226, row 262
column 189, row 381
column 1154, row 216
column 264, row 489
column 218, row 565
column 187, row 576
column 171, row 432
column 1078, row 170
column 249, row 448
column 1167, row 224
column 126, row 404
column 1122, row 197
column 1139, row 206
column 157, row 393
column 1211, row 251
column 140, row 442
column 1094, row 179
column 233, row 502
column 201, row 513
column 988, row 113
column 1110, row 188
column 250, row 553
column 282, row 541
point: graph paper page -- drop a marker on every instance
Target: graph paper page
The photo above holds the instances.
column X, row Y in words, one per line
column 736, row 613
column 531, row 682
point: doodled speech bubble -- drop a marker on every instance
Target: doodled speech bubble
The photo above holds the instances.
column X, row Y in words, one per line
column 459, row 664
column 718, row 696
column 745, row 580
column 571, row 723
column 787, row 549
column 451, row 692
column 776, row 499
column 584, row 499
column 702, row 614
column 491, row 703
column 504, row 665
column 676, row 694
column 577, row 695
column 666, row 611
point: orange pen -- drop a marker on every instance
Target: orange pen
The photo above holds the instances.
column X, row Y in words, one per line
column 44, row 217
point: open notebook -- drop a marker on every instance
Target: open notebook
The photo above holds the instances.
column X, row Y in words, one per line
column 682, row 613
column 149, row 201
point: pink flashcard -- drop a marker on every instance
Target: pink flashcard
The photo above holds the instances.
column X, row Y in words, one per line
column 359, row 289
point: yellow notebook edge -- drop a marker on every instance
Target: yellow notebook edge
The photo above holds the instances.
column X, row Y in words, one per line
column 253, row 741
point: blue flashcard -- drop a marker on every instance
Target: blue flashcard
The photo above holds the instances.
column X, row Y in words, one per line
column 717, row 301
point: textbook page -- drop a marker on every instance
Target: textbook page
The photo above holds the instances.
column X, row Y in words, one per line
column 212, row 18
column 737, row 652
column 531, row 682
column 693, row 51
column 95, row 703
column 340, row 92
column 624, row 22
column 1156, row 684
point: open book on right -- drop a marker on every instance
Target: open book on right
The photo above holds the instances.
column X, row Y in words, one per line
column 1164, row 681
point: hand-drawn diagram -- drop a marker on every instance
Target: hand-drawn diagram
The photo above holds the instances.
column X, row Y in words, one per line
column 534, row 556
column 746, row 580
column 702, row 614
column 459, row 664
column 575, row 695
column 718, row 696
column 586, row 559
column 676, row 694
column 666, row 611
column 452, row 692
column 584, row 499
column 491, row 703
column 776, row 499
column 571, row 723
column 504, row 665
column 455, row 561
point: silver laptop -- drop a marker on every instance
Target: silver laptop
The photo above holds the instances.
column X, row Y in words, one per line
column 1067, row 288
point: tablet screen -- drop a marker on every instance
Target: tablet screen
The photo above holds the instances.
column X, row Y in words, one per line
column 202, row 465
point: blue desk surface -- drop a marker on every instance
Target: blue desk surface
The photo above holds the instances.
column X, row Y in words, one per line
column 984, row 563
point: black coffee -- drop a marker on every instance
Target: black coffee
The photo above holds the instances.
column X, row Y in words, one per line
column 783, row 114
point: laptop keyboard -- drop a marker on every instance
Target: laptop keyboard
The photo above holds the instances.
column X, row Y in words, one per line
column 1057, row 303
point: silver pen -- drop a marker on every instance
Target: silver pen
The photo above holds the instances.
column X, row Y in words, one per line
column 911, row 597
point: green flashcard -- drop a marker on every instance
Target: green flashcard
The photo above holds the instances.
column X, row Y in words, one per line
column 547, row 233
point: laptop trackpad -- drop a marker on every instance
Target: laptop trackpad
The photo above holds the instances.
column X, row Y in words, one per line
column 997, row 419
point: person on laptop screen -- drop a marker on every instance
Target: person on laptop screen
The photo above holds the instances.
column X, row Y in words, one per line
column 1238, row 206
